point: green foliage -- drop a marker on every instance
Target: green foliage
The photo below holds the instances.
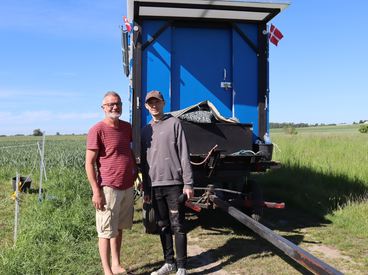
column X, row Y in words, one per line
column 363, row 128
column 324, row 173
column 37, row 132
column 290, row 130
column 275, row 125
column 323, row 170
column 58, row 235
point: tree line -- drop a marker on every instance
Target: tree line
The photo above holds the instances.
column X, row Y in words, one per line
column 302, row 125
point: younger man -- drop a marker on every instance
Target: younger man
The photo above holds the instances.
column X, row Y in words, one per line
column 167, row 170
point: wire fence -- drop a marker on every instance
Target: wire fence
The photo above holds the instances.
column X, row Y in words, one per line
column 19, row 182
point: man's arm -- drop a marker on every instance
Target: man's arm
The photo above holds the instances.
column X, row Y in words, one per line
column 146, row 181
column 98, row 198
column 185, row 162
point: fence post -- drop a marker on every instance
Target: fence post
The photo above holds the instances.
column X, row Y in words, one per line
column 42, row 168
column 16, row 214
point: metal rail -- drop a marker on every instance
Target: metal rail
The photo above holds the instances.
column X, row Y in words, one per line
column 299, row 255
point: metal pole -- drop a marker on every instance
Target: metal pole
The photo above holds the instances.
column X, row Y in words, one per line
column 42, row 154
column 299, row 255
column 16, row 214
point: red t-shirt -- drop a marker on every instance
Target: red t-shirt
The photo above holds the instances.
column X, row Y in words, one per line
column 114, row 159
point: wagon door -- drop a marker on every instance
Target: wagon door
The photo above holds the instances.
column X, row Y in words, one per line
column 201, row 67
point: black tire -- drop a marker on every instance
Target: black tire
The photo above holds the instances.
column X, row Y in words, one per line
column 149, row 218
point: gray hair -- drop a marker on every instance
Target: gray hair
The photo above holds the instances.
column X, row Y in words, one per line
column 111, row 93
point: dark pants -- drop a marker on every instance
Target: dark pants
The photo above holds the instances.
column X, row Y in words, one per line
column 171, row 217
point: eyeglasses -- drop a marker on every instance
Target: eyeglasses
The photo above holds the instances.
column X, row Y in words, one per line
column 112, row 104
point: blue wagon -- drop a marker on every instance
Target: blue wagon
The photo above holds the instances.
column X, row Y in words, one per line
column 210, row 61
column 209, row 58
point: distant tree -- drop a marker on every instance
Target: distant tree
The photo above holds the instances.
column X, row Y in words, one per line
column 37, row 132
column 363, row 128
column 57, row 133
column 290, row 130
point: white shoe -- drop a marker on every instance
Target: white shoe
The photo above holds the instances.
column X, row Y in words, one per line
column 165, row 269
column 181, row 271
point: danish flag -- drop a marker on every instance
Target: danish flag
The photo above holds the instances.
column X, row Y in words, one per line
column 275, row 35
column 127, row 24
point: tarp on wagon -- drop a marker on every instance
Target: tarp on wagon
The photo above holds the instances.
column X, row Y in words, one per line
column 202, row 112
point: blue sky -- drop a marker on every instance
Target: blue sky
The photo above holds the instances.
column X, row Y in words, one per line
column 58, row 58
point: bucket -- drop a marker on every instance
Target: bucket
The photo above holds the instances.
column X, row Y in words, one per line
column 265, row 150
column 24, row 184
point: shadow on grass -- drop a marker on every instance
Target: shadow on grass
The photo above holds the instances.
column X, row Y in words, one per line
column 309, row 191
column 231, row 252
column 244, row 243
column 309, row 197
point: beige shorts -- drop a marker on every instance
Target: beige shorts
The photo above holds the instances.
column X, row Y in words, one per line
column 118, row 213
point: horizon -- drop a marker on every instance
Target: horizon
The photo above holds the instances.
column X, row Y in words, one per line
column 59, row 58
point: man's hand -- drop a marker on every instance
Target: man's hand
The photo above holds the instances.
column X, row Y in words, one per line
column 189, row 192
column 147, row 198
column 98, row 200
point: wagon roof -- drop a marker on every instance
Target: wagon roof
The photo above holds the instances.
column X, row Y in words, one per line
column 208, row 9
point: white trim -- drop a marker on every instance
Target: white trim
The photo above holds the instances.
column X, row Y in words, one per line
column 202, row 13
column 247, row 4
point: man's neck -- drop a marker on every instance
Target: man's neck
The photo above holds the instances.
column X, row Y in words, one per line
column 158, row 117
column 113, row 122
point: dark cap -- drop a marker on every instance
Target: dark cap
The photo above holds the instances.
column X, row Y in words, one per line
column 154, row 94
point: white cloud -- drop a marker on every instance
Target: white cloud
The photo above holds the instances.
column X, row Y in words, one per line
column 9, row 118
column 66, row 116
column 50, row 122
column 13, row 93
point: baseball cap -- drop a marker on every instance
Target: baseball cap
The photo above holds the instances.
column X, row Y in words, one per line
column 154, row 94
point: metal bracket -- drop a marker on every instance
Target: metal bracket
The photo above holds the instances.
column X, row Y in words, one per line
column 226, row 85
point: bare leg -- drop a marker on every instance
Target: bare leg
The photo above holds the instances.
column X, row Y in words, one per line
column 115, row 254
column 104, row 249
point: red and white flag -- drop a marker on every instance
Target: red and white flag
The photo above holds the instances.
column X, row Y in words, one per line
column 127, row 24
column 275, row 35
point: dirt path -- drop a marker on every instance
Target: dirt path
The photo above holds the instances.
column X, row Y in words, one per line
column 217, row 245
column 200, row 261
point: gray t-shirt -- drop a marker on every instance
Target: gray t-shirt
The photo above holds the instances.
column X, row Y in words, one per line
column 165, row 155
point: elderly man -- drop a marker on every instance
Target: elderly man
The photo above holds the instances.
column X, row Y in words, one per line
column 167, row 176
column 110, row 169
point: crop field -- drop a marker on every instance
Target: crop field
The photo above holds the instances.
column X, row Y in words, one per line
column 323, row 181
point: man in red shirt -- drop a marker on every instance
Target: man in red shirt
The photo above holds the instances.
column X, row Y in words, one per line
column 111, row 171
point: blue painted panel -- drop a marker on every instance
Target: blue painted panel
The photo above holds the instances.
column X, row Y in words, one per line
column 245, row 76
column 156, row 64
column 199, row 58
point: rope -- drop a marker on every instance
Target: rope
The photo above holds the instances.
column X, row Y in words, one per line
column 206, row 158
column 245, row 152
column 277, row 147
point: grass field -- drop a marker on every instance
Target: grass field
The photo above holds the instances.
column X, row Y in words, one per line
column 324, row 175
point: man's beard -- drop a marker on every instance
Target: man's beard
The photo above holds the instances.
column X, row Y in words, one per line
column 113, row 115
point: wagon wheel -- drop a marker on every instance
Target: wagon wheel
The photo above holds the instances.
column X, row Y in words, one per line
column 254, row 193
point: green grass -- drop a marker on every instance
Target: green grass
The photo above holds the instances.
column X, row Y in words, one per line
column 7, row 216
column 58, row 235
column 320, row 172
column 323, row 174
column 338, row 129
